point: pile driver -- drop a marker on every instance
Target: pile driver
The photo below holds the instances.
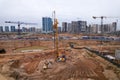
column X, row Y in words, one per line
column 59, row 57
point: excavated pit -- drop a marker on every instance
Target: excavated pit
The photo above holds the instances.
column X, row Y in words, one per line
column 79, row 66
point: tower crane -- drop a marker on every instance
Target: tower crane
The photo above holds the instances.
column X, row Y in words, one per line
column 101, row 17
column 19, row 23
column 59, row 57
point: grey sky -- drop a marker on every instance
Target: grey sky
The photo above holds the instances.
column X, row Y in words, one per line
column 67, row 10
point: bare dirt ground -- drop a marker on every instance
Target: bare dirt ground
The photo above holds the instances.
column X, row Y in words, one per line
column 79, row 66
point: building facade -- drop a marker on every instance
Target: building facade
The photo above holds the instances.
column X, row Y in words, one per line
column 74, row 25
column 1, row 28
column 59, row 30
column 32, row 29
column 6, row 28
column 13, row 29
column 69, row 28
column 24, row 29
column 94, row 28
column 64, row 27
column 82, row 26
column 114, row 27
column 47, row 26
column 106, row 28
column 78, row 27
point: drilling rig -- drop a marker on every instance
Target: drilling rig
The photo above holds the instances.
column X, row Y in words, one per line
column 59, row 57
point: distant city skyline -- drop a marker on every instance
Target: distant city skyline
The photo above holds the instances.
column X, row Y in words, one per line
column 66, row 10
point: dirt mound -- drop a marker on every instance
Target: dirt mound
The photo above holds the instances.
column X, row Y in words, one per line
column 77, row 67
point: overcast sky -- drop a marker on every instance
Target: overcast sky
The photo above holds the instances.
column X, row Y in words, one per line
column 66, row 10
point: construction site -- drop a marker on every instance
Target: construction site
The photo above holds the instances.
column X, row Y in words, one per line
column 58, row 57
column 37, row 60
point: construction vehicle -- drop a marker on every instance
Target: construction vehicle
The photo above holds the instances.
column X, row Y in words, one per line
column 19, row 23
column 60, row 57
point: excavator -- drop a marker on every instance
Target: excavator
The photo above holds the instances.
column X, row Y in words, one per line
column 60, row 56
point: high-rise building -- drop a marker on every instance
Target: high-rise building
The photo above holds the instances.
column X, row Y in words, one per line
column 88, row 29
column 1, row 28
column 69, row 28
column 74, row 25
column 24, row 29
column 47, row 25
column 39, row 30
column 82, row 26
column 13, row 29
column 6, row 28
column 114, row 27
column 106, row 28
column 32, row 29
column 64, row 27
column 94, row 28
column 78, row 27
column 59, row 29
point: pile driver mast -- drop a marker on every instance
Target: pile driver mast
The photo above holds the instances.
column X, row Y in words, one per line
column 59, row 57
column 55, row 26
